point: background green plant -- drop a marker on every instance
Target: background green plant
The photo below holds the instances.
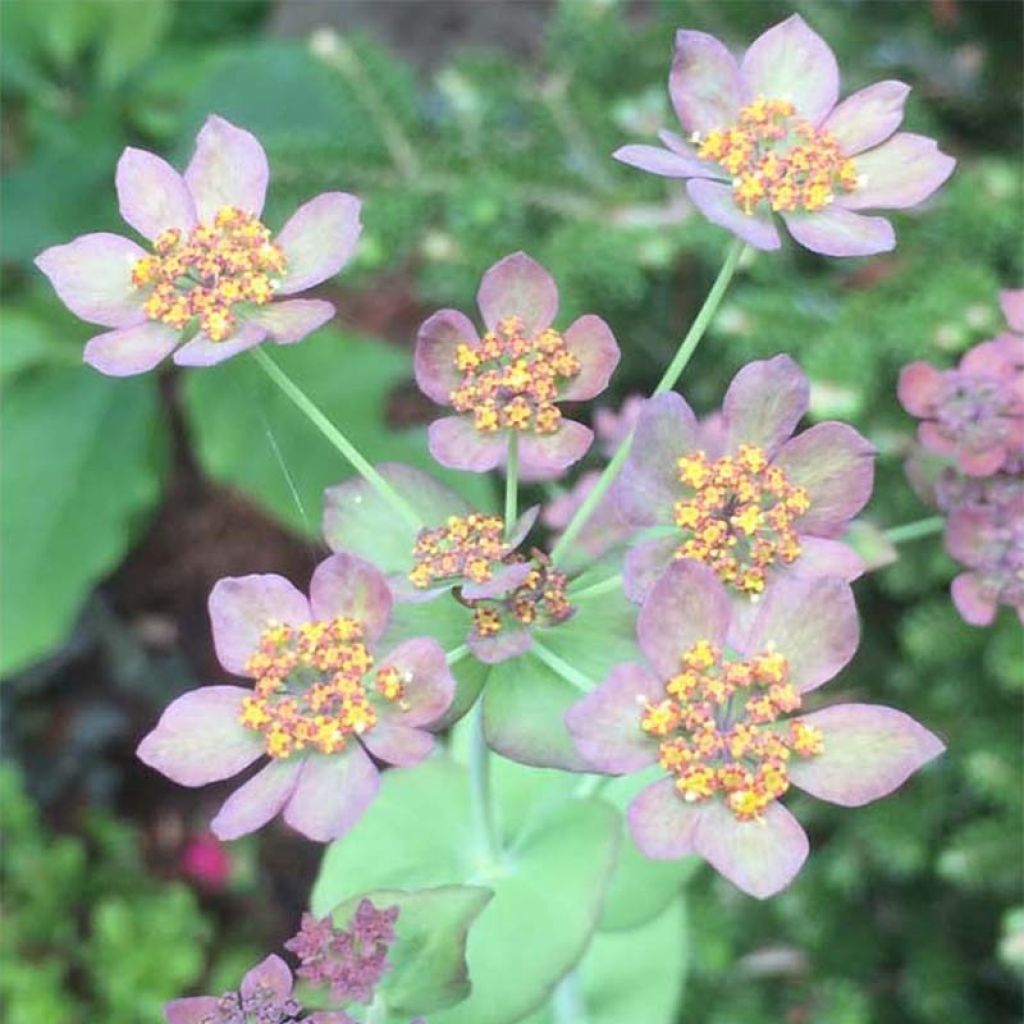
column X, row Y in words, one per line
column 905, row 912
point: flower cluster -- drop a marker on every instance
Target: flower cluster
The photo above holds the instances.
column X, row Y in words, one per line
column 322, row 707
column 212, row 285
column 738, row 493
column 465, row 546
column 350, row 961
column 766, row 135
column 510, row 381
column 973, row 424
column 712, row 722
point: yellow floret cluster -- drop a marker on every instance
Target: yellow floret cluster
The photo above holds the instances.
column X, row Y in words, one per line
column 466, row 546
column 738, row 515
column 720, row 731
column 512, row 378
column 774, row 156
column 311, row 690
column 541, row 598
column 200, row 276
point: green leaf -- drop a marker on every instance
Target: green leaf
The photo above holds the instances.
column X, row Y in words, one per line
column 30, row 340
column 547, row 891
column 249, row 435
column 633, row 977
column 428, row 960
column 640, row 888
column 80, row 469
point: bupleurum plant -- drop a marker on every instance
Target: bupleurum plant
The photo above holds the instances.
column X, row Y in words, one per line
column 692, row 597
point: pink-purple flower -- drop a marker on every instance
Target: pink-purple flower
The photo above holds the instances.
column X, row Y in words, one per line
column 740, row 493
column 765, row 135
column 323, row 707
column 509, row 383
column 216, row 281
column 973, row 414
column 266, row 996
column 718, row 705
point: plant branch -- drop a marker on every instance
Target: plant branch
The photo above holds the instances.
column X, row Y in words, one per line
column 914, row 531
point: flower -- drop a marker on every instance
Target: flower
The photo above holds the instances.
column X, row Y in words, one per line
column 711, row 707
column 989, row 540
column 351, row 961
column 973, row 414
column 766, row 136
column 213, row 281
column 321, row 703
column 206, row 861
column 264, row 997
column 509, row 383
column 742, row 494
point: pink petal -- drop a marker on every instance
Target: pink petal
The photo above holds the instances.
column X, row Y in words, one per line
column 273, row 974
column 545, row 456
column 822, row 557
column 591, row 340
column 934, row 439
column 457, row 444
column 436, row 343
column 704, row 84
column 202, row 351
column 644, row 565
column 429, row 687
column 969, row 531
column 980, row 464
column 919, row 386
column 1012, row 304
column 649, row 483
column 868, row 117
column 229, row 168
column 194, row 1010
column 493, row 650
column 332, row 794
column 716, row 202
column 836, row 231
column 152, row 194
column 663, row 825
column 976, row 606
column 900, row 173
column 130, row 350
column 346, row 586
column 664, row 163
column 689, row 603
column 869, row 752
column 792, row 62
column 242, row 607
column 764, row 403
column 291, row 321
column 261, row 798
column 93, row 277
column 518, row 286
column 837, row 467
column 503, row 582
column 812, row 623
column 398, row 744
column 760, row 857
column 319, row 240
column 199, row 738
column 605, row 725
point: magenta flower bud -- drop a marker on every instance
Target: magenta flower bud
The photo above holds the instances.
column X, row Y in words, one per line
column 765, row 136
column 216, row 282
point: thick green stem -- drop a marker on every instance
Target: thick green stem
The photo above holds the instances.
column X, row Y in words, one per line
column 453, row 657
column 914, row 531
column 567, row 1006
column 512, row 484
column 668, row 381
column 336, row 438
column 480, row 786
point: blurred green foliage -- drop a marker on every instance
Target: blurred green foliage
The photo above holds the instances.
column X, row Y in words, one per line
column 908, row 912
column 87, row 934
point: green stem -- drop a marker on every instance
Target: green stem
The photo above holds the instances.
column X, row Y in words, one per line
column 377, row 1011
column 336, row 437
column 591, row 785
column 561, row 668
column 480, row 785
column 913, row 531
column 567, row 1006
column 455, row 656
column 511, row 484
column 668, row 381
column 596, row 589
